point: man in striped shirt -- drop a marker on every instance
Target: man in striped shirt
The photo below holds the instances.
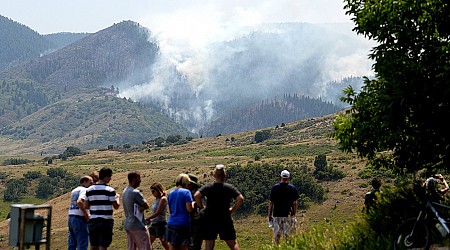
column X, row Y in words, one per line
column 101, row 199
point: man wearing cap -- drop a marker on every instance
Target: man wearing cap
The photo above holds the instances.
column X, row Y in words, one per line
column 283, row 207
column 196, row 218
column 217, row 212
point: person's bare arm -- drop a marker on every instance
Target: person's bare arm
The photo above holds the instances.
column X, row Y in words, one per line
column 143, row 207
column 294, row 207
column 445, row 188
column 270, row 210
column 162, row 204
column 83, row 208
column 116, row 203
column 237, row 204
column 189, row 206
column 198, row 199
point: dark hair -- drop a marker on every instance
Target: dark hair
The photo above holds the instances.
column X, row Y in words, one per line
column 133, row 175
column 376, row 183
column 105, row 172
column 85, row 178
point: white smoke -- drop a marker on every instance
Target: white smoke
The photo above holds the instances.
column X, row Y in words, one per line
column 189, row 35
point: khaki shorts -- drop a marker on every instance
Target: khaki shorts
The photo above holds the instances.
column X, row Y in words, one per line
column 284, row 225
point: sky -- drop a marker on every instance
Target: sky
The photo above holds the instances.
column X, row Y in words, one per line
column 50, row 16
column 177, row 24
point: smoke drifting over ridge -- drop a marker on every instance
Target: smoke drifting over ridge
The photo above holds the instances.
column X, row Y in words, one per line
column 228, row 58
column 196, row 87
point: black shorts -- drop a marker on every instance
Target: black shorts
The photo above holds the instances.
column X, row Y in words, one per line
column 177, row 235
column 158, row 229
column 100, row 232
column 224, row 228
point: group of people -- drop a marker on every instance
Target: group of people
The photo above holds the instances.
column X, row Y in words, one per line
column 197, row 214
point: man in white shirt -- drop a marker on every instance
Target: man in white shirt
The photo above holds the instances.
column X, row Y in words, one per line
column 79, row 216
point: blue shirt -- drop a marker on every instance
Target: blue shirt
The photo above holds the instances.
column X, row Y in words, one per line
column 177, row 199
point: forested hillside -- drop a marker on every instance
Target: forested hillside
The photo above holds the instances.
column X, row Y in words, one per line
column 92, row 121
column 268, row 113
column 62, row 39
column 107, row 57
column 104, row 58
column 19, row 43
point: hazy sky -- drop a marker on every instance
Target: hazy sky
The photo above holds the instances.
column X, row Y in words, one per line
column 51, row 16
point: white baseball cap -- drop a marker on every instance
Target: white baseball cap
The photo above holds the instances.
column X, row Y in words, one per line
column 285, row 174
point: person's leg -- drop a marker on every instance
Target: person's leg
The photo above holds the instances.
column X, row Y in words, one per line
column 106, row 233
column 227, row 233
column 164, row 243
column 277, row 229
column 209, row 244
column 72, row 242
column 82, row 234
column 93, row 235
column 141, row 239
column 130, row 240
column 232, row 244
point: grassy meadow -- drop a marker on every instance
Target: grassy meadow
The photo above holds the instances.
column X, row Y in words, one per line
column 294, row 145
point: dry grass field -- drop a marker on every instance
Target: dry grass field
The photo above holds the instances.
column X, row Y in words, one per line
column 344, row 198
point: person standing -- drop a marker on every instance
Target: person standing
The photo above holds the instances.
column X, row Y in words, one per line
column 101, row 199
column 78, row 217
column 157, row 219
column 283, row 207
column 436, row 187
column 217, row 212
column 196, row 218
column 370, row 198
column 134, row 205
column 179, row 223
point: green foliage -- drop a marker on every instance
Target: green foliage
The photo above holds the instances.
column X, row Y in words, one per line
column 72, row 151
column 273, row 150
column 261, row 136
column 15, row 190
column 57, row 172
column 45, row 189
column 320, row 163
column 173, row 138
column 399, row 115
column 382, row 172
column 15, row 161
column 57, row 182
column 256, row 180
column 31, row 175
column 323, row 171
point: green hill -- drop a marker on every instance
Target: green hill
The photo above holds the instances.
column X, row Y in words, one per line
column 91, row 121
column 19, row 43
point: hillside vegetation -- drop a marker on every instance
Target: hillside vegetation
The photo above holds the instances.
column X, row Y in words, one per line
column 294, row 146
column 91, row 121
